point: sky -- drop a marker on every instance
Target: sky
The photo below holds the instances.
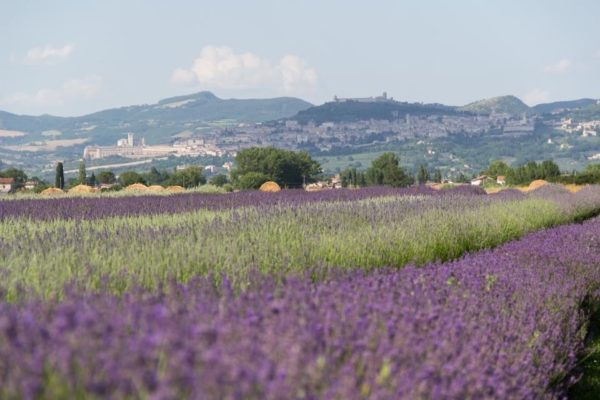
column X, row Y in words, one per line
column 75, row 57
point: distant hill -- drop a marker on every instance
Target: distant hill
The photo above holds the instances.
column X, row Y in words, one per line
column 157, row 122
column 351, row 111
column 205, row 106
column 591, row 111
column 502, row 104
column 562, row 105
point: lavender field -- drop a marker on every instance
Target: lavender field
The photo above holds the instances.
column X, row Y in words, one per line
column 350, row 294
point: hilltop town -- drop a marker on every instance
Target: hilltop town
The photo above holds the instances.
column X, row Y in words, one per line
column 324, row 136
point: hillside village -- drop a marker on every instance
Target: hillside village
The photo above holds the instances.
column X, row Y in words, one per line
column 291, row 134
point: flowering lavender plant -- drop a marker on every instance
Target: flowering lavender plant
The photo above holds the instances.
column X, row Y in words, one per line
column 502, row 323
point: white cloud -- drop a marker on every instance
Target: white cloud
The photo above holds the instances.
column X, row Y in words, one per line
column 558, row 68
column 71, row 90
column 536, row 96
column 296, row 74
column 47, row 54
column 223, row 68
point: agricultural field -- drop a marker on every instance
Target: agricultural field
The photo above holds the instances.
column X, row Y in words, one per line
column 375, row 293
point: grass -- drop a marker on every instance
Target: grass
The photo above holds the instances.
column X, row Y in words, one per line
column 151, row 250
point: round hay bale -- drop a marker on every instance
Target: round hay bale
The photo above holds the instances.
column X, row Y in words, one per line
column 492, row 190
column 538, row 183
column 156, row 188
column 51, row 191
column 139, row 187
column 82, row 189
column 313, row 187
column 270, row 186
column 175, row 188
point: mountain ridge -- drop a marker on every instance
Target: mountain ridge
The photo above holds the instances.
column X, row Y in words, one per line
column 158, row 122
column 501, row 104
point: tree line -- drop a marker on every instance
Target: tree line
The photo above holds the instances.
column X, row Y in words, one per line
column 295, row 169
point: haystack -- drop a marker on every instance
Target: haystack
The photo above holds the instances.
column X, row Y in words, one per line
column 82, row 189
column 139, row 187
column 51, row 191
column 536, row 184
column 175, row 188
column 269, row 186
column 312, row 187
column 156, row 188
column 492, row 190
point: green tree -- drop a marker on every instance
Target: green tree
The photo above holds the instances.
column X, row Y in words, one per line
column 18, row 175
column 422, row 174
column 219, row 180
column 156, row 177
column 590, row 175
column 82, row 174
column 350, row 177
column 287, row 168
column 106, row 177
column 386, row 170
column 437, row 176
column 92, row 180
column 188, row 177
column 59, row 179
column 524, row 174
column 549, row 169
column 130, row 177
column 497, row 168
column 251, row 180
column 461, row 178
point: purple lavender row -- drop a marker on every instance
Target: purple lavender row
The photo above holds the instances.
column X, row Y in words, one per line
column 503, row 323
column 100, row 207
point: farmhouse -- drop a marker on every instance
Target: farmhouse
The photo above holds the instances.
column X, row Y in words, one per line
column 480, row 180
column 6, row 185
column 501, row 180
column 30, row 185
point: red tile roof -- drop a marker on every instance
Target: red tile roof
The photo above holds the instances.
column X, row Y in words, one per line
column 6, row 180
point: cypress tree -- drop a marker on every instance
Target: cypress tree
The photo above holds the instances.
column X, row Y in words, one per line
column 59, row 181
column 82, row 175
column 422, row 174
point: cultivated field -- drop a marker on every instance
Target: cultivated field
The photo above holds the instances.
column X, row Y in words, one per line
column 373, row 293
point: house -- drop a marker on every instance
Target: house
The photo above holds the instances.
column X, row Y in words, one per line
column 30, row 185
column 6, row 185
column 480, row 180
column 501, row 180
column 336, row 182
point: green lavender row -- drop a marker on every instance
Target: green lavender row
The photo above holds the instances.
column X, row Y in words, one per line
column 120, row 252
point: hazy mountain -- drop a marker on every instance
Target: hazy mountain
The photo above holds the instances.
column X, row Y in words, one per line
column 563, row 105
column 502, row 104
column 350, row 111
column 207, row 107
column 157, row 122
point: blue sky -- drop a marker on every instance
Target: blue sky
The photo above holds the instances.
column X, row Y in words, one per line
column 74, row 57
